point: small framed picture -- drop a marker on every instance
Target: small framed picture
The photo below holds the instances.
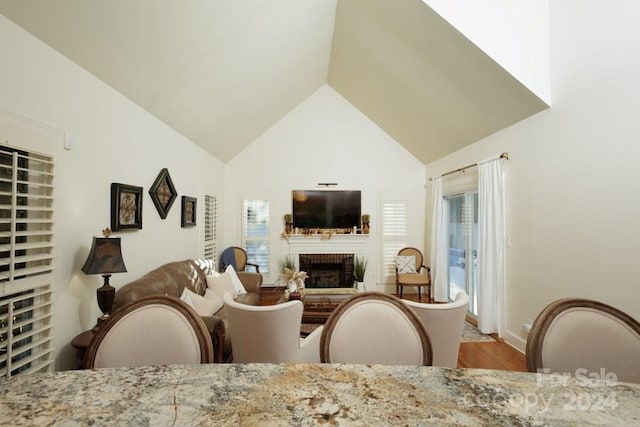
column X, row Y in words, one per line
column 163, row 193
column 188, row 218
column 126, row 207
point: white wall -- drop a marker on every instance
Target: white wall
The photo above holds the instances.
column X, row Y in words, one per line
column 114, row 141
column 324, row 139
column 512, row 32
column 572, row 181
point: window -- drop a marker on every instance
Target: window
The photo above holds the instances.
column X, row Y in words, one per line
column 26, row 261
column 463, row 246
column 461, row 200
column 394, row 232
column 210, row 240
column 255, row 232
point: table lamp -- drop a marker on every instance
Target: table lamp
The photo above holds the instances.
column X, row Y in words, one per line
column 105, row 257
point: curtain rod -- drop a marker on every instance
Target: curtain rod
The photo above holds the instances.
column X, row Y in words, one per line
column 464, row 168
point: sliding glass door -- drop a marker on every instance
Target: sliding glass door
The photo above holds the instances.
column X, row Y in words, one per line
column 463, row 247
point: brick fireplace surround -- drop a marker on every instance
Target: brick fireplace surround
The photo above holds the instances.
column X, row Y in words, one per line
column 328, row 270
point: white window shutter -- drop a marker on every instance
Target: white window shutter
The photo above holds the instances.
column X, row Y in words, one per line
column 26, row 261
column 255, row 232
column 394, row 234
column 210, row 248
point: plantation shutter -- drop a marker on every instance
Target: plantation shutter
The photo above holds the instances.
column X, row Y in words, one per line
column 26, row 261
column 255, row 232
column 210, row 227
column 394, row 234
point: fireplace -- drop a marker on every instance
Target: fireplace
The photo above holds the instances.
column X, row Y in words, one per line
column 327, row 270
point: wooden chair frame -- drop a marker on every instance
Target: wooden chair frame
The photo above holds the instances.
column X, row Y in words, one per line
column 546, row 317
column 329, row 327
column 201, row 331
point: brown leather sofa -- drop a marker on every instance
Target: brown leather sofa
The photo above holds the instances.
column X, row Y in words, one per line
column 172, row 278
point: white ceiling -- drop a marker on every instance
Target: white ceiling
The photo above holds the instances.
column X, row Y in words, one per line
column 221, row 72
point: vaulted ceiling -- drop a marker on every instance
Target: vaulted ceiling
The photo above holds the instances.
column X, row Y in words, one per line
column 221, row 72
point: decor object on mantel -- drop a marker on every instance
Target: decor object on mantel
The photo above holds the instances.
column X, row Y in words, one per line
column 105, row 257
column 126, row 207
column 288, row 224
column 324, row 234
column 163, row 193
column 365, row 223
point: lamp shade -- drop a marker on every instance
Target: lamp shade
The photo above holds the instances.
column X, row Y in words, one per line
column 105, row 257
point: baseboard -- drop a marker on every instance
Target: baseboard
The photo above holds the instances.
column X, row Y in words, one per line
column 515, row 341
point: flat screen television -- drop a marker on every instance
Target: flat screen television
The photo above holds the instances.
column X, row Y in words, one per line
column 326, row 209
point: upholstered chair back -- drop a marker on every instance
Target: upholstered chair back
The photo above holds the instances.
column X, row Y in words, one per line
column 270, row 334
column 583, row 337
column 375, row 328
column 156, row 330
column 444, row 324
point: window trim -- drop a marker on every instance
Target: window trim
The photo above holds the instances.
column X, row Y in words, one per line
column 37, row 140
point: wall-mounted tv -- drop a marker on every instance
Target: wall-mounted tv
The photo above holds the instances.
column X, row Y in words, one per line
column 326, row 209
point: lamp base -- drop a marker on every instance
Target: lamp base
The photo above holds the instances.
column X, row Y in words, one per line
column 105, row 294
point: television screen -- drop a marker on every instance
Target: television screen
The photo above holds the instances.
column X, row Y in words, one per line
column 326, row 209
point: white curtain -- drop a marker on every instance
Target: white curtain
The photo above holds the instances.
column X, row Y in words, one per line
column 439, row 244
column 491, row 237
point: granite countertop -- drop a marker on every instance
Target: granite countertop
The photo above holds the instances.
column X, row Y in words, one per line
column 311, row 394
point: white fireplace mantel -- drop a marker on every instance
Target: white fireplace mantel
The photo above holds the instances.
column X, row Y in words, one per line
column 337, row 244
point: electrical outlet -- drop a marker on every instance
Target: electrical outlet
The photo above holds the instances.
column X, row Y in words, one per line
column 527, row 325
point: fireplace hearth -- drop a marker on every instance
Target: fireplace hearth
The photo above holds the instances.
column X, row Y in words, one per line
column 327, row 270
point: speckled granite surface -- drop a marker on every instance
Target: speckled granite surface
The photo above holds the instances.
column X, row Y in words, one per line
column 278, row 395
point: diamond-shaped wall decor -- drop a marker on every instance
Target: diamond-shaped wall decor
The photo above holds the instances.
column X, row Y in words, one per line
column 163, row 193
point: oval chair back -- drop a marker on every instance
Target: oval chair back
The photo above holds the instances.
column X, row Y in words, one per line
column 374, row 328
column 154, row 330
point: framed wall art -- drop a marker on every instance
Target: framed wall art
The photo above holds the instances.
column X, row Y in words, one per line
column 188, row 218
column 126, row 207
column 163, row 193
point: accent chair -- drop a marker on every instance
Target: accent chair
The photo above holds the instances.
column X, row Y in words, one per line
column 270, row 333
column 410, row 271
column 444, row 324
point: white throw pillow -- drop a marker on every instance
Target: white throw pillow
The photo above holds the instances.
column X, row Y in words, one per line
column 202, row 305
column 218, row 302
column 186, row 298
column 406, row 264
column 221, row 284
column 237, row 284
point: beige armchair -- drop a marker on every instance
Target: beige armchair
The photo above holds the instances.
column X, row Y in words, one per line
column 155, row 330
column 581, row 336
column 270, row 334
column 375, row 328
column 444, row 324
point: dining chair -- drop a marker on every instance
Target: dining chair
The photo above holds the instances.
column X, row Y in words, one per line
column 410, row 271
column 584, row 337
column 375, row 328
column 154, row 330
column 270, row 333
column 445, row 324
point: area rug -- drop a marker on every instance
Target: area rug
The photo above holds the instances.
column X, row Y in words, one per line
column 472, row 334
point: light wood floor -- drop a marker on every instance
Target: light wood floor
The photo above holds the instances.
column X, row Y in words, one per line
column 486, row 355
